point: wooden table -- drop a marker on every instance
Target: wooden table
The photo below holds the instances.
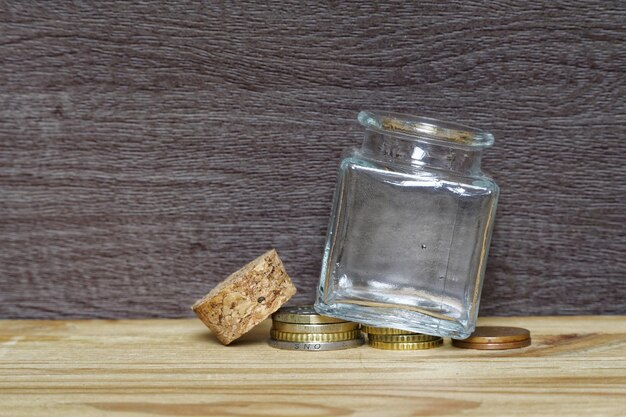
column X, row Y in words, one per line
column 575, row 366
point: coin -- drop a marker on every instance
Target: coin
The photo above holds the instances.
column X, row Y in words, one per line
column 491, row 346
column 403, row 338
column 316, row 346
column 497, row 334
column 313, row 337
column 303, row 315
column 405, row 346
column 383, row 330
column 495, row 338
column 314, row 328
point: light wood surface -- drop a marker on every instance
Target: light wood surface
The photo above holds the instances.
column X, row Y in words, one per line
column 151, row 149
column 576, row 366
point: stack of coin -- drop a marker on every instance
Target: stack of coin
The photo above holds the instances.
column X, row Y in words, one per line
column 301, row 328
column 495, row 338
column 396, row 339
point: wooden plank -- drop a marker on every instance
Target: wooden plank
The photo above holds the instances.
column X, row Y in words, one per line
column 147, row 151
column 575, row 367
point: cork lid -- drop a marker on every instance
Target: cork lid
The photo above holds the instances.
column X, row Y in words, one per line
column 245, row 298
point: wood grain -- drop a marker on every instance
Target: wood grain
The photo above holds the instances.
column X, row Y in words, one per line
column 575, row 367
column 149, row 150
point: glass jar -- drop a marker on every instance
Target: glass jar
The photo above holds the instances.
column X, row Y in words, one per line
column 410, row 227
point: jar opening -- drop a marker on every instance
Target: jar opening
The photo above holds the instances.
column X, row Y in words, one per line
column 425, row 129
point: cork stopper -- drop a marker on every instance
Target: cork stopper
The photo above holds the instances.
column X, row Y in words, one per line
column 245, row 298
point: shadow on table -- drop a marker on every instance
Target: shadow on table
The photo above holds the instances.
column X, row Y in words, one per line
column 248, row 339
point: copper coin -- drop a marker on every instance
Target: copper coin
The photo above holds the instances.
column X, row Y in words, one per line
column 491, row 346
column 497, row 334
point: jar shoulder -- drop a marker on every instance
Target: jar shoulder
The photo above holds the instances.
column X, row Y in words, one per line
column 354, row 160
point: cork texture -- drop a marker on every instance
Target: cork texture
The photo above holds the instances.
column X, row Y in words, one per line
column 246, row 297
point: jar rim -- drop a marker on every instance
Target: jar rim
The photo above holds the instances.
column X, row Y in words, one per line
column 427, row 129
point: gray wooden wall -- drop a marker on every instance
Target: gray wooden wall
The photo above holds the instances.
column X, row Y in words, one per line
column 147, row 151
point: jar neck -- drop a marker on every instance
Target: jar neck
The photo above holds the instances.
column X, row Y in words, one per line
column 412, row 152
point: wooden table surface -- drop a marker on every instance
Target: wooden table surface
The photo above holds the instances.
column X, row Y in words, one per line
column 575, row 366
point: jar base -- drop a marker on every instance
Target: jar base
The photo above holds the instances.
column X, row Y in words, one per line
column 397, row 318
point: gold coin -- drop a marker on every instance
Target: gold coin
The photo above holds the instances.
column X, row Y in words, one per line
column 403, row 338
column 316, row 346
column 314, row 328
column 383, row 330
column 313, row 337
column 303, row 315
column 405, row 346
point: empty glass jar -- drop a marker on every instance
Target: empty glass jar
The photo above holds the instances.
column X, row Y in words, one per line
column 410, row 227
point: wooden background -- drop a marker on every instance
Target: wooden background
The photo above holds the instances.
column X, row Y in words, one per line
column 147, row 151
